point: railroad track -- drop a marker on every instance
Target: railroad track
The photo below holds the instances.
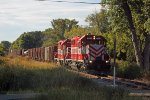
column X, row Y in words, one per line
column 128, row 83
column 136, row 84
column 135, row 87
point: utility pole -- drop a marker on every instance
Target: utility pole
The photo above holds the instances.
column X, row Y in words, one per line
column 114, row 66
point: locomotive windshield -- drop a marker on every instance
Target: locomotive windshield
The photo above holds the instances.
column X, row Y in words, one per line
column 93, row 42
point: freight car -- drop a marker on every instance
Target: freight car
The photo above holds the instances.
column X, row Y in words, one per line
column 43, row 53
column 17, row 52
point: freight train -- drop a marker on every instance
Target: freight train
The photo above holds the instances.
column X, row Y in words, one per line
column 88, row 52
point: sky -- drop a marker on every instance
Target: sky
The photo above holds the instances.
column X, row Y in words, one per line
column 18, row 16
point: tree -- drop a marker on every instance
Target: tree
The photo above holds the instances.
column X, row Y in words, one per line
column 99, row 21
column 4, row 47
column 62, row 25
column 28, row 40
column 51, row 37
column 76, row 31
column 136, row 14
column 1, row 50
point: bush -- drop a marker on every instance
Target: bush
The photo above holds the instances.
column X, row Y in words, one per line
column 120, row 67
column 133, row 71
column 128, row 70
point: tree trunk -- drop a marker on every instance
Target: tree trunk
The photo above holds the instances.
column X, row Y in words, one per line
column 146, row 53
column 128, row 14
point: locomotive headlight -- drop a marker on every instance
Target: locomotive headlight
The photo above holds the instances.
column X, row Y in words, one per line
column 94, row 37
column 90, row 61
column 107, row 61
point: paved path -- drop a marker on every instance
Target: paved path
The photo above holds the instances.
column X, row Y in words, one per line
column 18, row 96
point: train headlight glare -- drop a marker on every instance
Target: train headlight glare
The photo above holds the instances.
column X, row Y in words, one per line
column 107, row 61
column 90, row 61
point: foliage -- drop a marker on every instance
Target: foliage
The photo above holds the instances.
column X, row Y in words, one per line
column 62, row 25
column 4, row 47
column 128, row 70
column 48, row 37
column 1, row 50
column 76, row 31
column 99, row 21
column 51, row 37
column 54, row 80
column 133, row 71
column 28, row 40
column 124, row 47
column 132, row 16
column 104, row 93
column 120, row 67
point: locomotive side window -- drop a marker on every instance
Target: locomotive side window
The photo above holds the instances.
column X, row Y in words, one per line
column 83, row 50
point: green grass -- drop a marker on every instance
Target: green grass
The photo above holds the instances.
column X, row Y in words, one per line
column 57, row 82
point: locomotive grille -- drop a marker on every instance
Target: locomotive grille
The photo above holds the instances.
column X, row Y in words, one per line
column 96, row 51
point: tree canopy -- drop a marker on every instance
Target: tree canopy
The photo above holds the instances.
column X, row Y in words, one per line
column 132, row 17
column 45, row 38
column 99, row 21
column 62, row 25
column 4, row 47
column 28, row 40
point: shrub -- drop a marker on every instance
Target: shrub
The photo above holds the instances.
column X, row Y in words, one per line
column 120, row 67
column 128, row 70
column 133, row 71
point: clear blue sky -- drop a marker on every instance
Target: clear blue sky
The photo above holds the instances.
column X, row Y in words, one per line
column 18, row 16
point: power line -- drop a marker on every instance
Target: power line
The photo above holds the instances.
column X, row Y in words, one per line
column 72, row 2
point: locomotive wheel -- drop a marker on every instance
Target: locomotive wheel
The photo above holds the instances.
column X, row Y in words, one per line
column 78, row 66
column 83, row 68
column 60, row 62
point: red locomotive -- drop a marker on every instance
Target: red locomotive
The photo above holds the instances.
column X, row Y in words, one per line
column 88, row 51
column 64, row 53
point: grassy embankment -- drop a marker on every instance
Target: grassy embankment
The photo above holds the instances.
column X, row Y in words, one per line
column 21, row 74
